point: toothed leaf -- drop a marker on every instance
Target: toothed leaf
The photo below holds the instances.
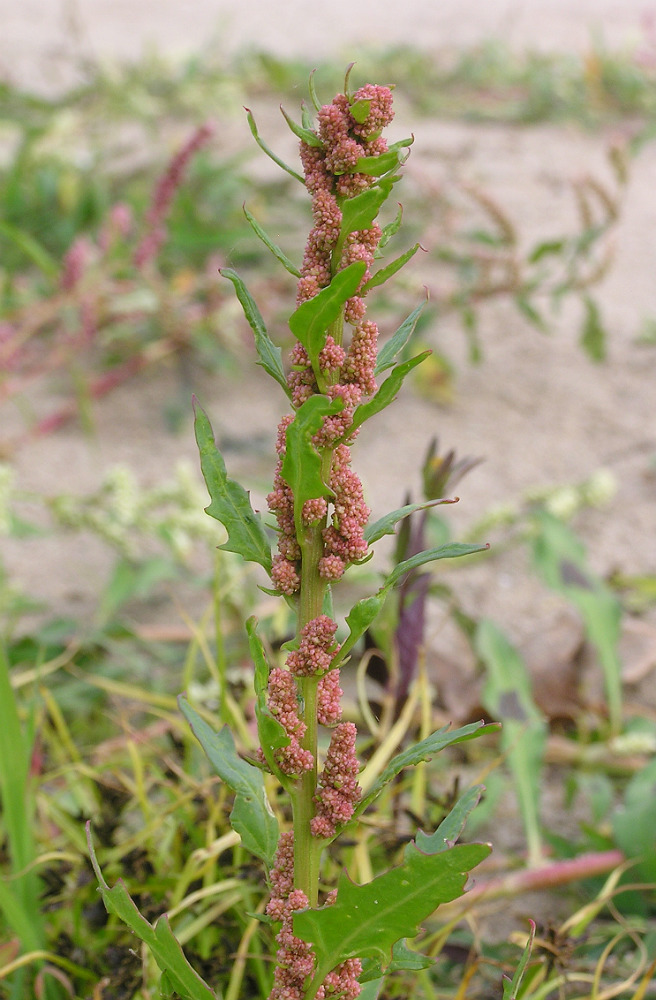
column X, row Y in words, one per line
column 230, row 502
column 367, row 920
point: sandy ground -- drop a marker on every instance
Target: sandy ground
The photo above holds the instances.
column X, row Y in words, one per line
column 537, row 409
column 42, row 40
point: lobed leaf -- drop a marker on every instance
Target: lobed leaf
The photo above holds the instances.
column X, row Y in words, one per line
column 230, row 502
column 251, row 816
column 387, row 392
column 310, row 322
column 367, row 920
column 395, row 345
column 424, row 750
column 279, row 254
column 159, row 937
column 382, row 275
column 270, row 356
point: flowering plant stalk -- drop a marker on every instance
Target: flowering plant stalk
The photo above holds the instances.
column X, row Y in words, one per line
column 342, row 942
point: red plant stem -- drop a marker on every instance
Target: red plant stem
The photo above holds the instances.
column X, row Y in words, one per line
column 545, row 876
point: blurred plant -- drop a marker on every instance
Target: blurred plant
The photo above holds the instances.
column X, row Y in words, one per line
column 481, row 255
column 119, row 301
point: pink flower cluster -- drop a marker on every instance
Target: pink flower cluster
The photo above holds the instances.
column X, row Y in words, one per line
column 339, row 791
column 348, row 373
column 344, row 540
column 283, row 703
column 165, row 191
column 316, row 649
column 295, row 959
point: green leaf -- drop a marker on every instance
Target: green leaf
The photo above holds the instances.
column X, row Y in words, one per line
column 511, row 988
column 508, row 697
column 302, row 463
column 251, row 816
column 367, row 920
column 270, row 356
column 387, row 392
column 312, row 90
column 390, row 229
column 310, row 322
column 452, row 825
column 159, row 937
column 360, row 109
column 376, row 166
column 560, row 560
column 31, row 248
column 306, row 134
column 635, row 821
column 270, row 245
column 230, row 503
column 404, row 959
column 269, row 152
column 361, row 211
column 386, row 525
column 452, row 550
column 548, row 248
column 593, row 334
column 418, row 752
column 271, row 732
column 395, row 345
column 359, row 618
column 371, row 989
column 382, row 275
column 532, row 314
column 363, row 614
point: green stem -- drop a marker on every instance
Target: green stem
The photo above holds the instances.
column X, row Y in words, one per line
column 307, row 849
